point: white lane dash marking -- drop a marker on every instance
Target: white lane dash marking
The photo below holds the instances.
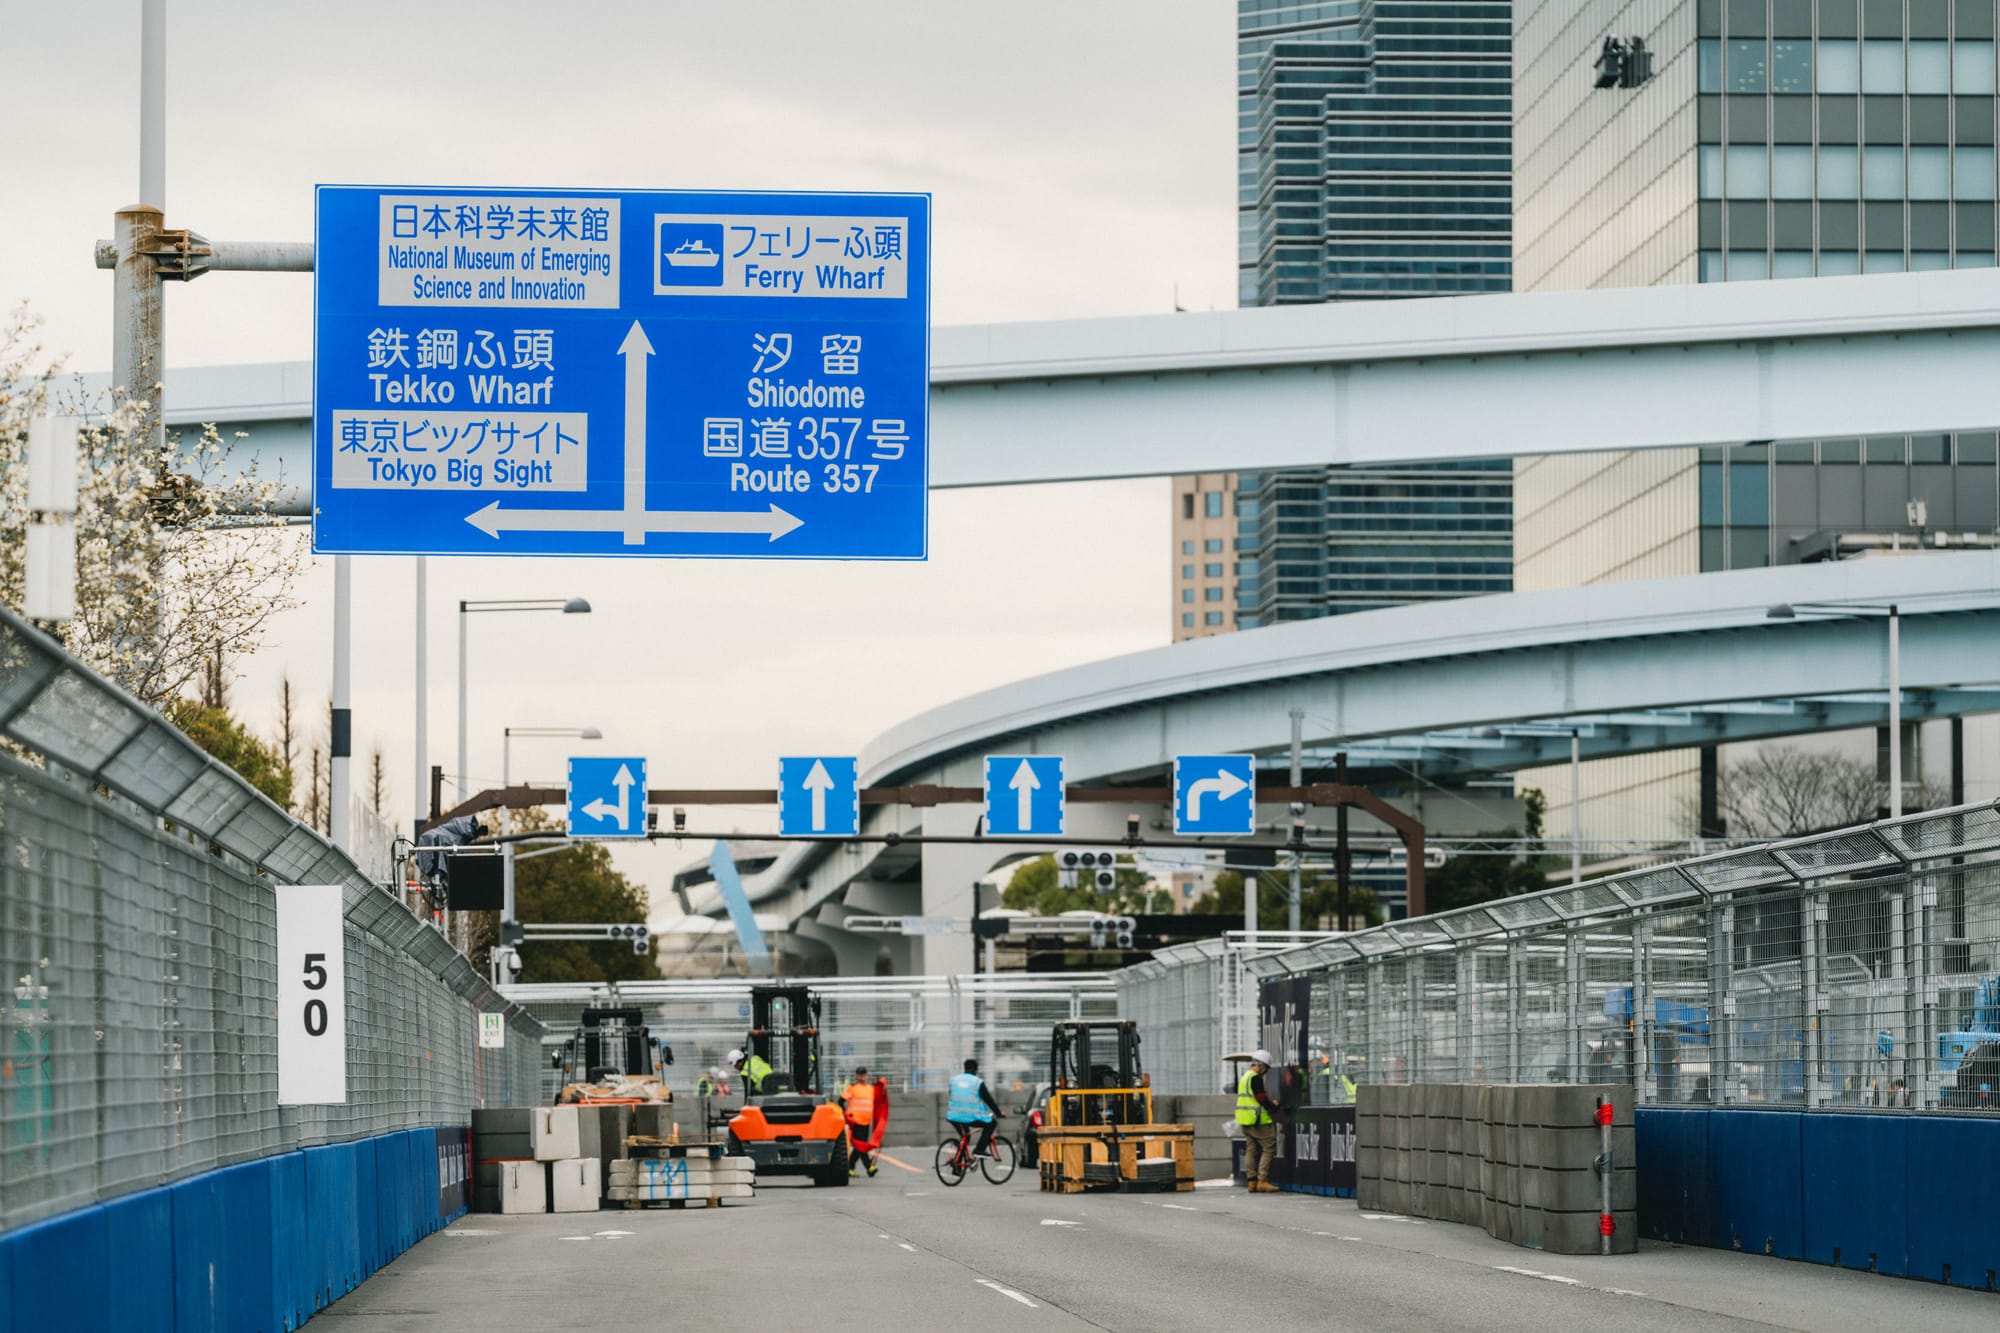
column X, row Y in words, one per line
column 1180, row 1207
column 614, row 1233
column 1509, row 1268
column 1564, row 1281
column 467, row 1231
column 1059, row 1222
column 905, row 1245
column 1390, row 1217
column 1620, row 1291
column 572, row 1238
column 1008, row 1292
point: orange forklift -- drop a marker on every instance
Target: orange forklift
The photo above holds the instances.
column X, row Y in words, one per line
column 788, row 1126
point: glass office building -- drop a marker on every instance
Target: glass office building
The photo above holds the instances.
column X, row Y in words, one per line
column 1373, row 141
column 1777, row 139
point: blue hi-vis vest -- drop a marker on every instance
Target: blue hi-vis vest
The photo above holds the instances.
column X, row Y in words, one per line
column 966, row 1104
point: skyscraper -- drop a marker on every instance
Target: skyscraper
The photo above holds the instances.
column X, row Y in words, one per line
column 1373, row 162
column 1775, row 139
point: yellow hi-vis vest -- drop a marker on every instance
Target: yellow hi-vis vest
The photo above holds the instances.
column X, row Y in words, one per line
column 755, row 1070
column 1249, row 1111
column 861, row 1103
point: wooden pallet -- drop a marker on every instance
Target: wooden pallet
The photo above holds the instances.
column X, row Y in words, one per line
column 643, row 1147
column 1108, row 1157
column 677, row 1204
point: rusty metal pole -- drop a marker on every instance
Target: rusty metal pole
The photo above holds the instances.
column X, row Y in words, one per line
column 136, row 325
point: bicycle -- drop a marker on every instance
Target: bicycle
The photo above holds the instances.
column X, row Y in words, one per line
column 955, row 1159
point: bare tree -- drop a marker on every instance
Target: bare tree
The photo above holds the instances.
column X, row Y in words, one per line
column 288, row 738
column 315, row 808
column 180, row 561
column 378, row 784
column 1781, row 791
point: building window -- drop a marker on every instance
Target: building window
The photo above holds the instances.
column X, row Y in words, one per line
column 1213, row 571
column 1882, row 173
column 1972, row 67
column 1749, row 67
column 1187, row 571
column 1930, row 67
column 1930, row 173
column 1187, row 620
column 1213, row 546
column 1838, row 263
column 1791, row 67
column 1212, row 504
column 1709, row 171
column 1212, row 618
column 1749, row 173
column 1187, row 594
column 1748, row 265
column 1708, row 65
column 1187, row 548
column 1839, row 68
column 1187, row 504
column 1972, row 170
column 1211, row 594
column 1791, row 172
column 1882, row 67
column 1792, row 264
column 1839, row 173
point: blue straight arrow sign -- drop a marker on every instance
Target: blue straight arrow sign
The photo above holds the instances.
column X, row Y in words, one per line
column 819, row 796
column 1025, row 796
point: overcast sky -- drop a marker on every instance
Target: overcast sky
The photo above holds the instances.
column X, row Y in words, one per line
column 1081, row 157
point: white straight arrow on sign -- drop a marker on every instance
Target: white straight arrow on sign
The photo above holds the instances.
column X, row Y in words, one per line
column 632, row 519
column 1025, row 785
column 819, row 782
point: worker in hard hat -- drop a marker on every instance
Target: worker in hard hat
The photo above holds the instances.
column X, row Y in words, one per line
column 858, row 1100
column 1257, row 1113
column 754, row 1068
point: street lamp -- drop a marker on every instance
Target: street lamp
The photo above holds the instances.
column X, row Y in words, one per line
column 1792, row 611
column 573, row 606
column 507, row 736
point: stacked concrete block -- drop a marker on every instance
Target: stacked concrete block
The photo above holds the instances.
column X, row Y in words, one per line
column 1212, row 1114
column 1518, row 1160
column 510, row 1187
column 576, row 1185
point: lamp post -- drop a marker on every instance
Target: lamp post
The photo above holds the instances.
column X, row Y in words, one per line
column 1793, row 610
column 507, row 736
column 568, row 606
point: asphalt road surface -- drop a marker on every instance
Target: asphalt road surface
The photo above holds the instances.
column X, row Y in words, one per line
column 908, row 1254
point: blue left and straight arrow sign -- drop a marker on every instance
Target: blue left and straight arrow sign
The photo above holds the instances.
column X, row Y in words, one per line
column 1024, row 795
column 819, row 795
column 607, row 797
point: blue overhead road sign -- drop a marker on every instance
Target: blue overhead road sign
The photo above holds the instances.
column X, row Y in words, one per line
column 621, row 372
column 1024, row 794
column 819, row 795
column 1215, row 794
column 607, row 798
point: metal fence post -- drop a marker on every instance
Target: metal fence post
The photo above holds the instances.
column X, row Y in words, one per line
column 1721, row 1003
column 1575, row 974
column 1813, row 1004
column 1644, row 1083
column 1517, row 1005
column 1466, row 983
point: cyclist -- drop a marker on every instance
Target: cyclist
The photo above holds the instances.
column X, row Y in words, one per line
column 971, row 1106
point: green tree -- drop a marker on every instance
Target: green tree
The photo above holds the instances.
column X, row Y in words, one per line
column 1319, row 901
column 1036, row 887
column 1464, row 881
column 577, row 884
column 222, row 736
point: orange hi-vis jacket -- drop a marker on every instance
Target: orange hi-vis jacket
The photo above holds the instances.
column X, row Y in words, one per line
column 861, row 1103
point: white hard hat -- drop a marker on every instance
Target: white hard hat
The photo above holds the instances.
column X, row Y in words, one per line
column 1261, row 1056
column 734, row 1055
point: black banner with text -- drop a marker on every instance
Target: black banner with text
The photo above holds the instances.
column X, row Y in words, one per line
column 1316, row 1151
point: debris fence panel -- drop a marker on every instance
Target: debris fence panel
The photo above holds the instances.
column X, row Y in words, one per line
column 914, row 1031
column 1851, row 970
column 138, row 1036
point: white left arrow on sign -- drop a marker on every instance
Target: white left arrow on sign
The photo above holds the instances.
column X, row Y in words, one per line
column 622, row 812
column 632, row 519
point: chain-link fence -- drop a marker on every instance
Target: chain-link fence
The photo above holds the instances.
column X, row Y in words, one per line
column 1195, row 1003
column 1858, row 969
column 913, row 1031
column 138, row 1037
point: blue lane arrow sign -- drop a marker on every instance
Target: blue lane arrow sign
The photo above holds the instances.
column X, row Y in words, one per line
column 1215, row 794
column 1025, row 795
column 607, row 797
column 819, row 795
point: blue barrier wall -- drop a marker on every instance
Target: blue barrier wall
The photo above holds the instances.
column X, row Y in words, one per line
column 254, row 1248
column 1910, row 1195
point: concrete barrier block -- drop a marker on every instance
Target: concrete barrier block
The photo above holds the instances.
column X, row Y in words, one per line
column 1536, row 1143
column 1435, row 1136
column 1580, row 1191
column 1501, row 1107
column 1579, row 1233
column 1396, row 1100
column 1368, row 1099
column 1572, row 1149
column 1455, row 1135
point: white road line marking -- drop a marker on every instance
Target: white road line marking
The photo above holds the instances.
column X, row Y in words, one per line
column 1564, row 1281
column 1390, row 1217
column 1008, row 1292
column 1620, row 1291
column 572, row 1238
column 468, row 1232
column 1509, row 1268
column 905, row 1245
column 614, row 1233
column 1059, row 1222
column 1180, row 1207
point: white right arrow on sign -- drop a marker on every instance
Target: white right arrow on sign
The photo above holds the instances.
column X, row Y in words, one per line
column 1222, row 786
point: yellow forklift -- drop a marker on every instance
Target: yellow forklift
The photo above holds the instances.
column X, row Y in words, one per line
column 1097, row 1129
